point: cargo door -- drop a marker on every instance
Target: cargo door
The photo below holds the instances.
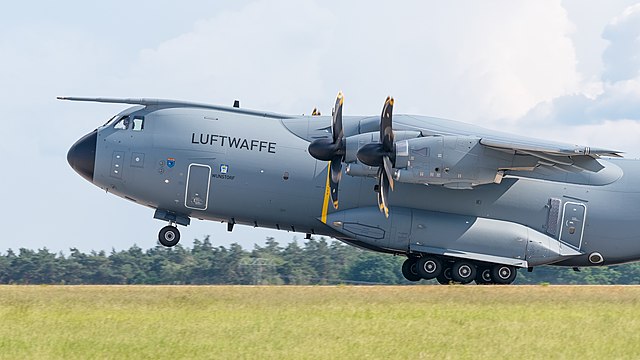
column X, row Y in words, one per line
column 197, row 192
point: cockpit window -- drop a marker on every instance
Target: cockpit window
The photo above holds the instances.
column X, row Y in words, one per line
column 138, row 123
column 123, row 124
column 112, row 120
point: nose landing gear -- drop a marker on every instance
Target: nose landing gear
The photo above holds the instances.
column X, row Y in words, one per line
column 170, row 235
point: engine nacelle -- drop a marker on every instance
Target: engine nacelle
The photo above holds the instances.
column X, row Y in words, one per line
column 458, row 162
column 355, row 142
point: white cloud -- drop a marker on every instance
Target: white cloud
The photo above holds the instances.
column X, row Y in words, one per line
column 497, row 58
column 616, row 101
column 267, row 53
column 622, row 56
column 619, row 101
column 610, row 105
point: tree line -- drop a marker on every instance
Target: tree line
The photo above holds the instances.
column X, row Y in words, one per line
column 317, row 261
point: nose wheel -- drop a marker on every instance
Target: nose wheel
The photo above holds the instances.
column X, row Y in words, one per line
column 169, row 236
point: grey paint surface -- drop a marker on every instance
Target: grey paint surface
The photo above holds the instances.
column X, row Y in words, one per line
column 261, row 174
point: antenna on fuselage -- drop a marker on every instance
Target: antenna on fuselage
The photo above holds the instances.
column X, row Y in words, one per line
column 236, row 103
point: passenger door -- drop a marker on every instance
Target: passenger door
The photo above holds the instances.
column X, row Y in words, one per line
column 572, row 225
column 197, row 191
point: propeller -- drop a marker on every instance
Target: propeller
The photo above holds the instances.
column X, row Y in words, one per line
column 382, row 155
column 333, row 149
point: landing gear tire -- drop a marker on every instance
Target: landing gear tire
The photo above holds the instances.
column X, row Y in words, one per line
column 409, row 270
column 445, row 276
column 169, row 236
column 429, row 267
column 483, row 276
column 463, row 271
column 503, row 274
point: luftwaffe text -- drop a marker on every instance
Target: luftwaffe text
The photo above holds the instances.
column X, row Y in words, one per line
column 233, row 142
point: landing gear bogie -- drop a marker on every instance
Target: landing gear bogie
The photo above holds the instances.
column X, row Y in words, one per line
column 447, row 270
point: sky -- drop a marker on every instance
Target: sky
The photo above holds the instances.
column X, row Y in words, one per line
column 561, row 70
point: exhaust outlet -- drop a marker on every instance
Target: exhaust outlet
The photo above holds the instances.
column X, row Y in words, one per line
column 596, row 258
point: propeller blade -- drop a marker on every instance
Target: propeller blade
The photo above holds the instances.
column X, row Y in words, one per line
column 378, row 190
column 333, row 182
column 386, row 129
column 382, row 155
column 338, row 132
column 327, row 149
column 336, row 169
column 388, row 166
column 332, row 149
column 383, row 195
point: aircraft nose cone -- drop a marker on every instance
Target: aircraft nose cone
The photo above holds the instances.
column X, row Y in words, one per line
column 82, row 155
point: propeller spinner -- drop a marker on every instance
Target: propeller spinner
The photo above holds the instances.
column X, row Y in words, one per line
column 383, row 155
column 333, row 149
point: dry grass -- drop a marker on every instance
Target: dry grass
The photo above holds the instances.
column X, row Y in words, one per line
column 380, row 322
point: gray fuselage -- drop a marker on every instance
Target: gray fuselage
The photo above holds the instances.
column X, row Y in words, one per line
column 243, row 168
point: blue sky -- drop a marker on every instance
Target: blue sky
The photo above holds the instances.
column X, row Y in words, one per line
column 563, row 70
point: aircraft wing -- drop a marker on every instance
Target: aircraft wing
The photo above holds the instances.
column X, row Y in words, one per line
column 549, row 149
column 558, row 155
column 164, row 103
column 550, row 152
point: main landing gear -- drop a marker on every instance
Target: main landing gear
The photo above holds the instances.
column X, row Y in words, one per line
column 457, row 271
column 169, row 236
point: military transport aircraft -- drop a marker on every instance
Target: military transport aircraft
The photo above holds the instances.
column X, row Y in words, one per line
column 462, row 203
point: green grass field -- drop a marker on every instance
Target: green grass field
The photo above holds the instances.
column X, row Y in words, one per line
column 300, row 322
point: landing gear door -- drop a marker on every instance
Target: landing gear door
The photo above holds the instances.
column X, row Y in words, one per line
column 572, row 226
column 197, row 192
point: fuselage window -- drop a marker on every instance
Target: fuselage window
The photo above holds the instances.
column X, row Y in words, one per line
column 138, row 123
column 123, row 124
